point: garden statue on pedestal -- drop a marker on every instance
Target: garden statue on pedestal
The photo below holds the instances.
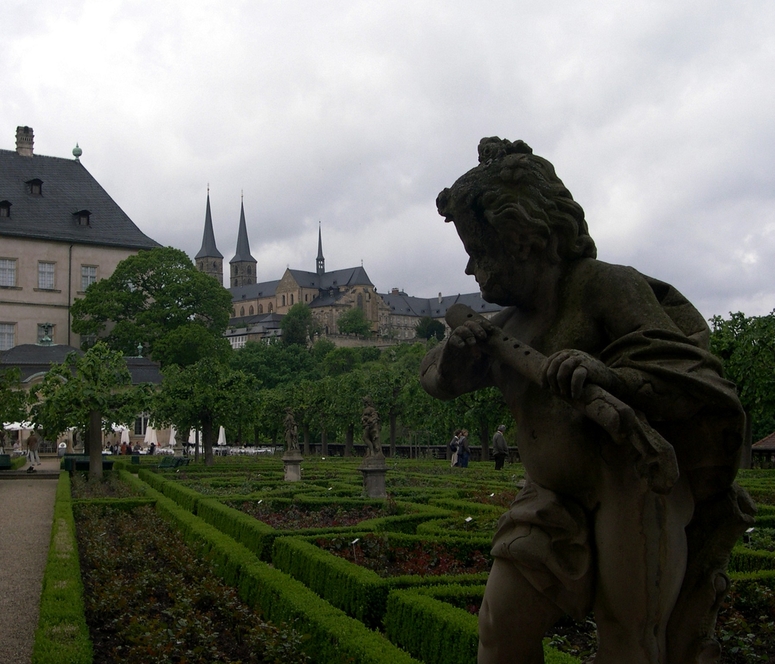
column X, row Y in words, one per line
column 370, row 422
column 373, row 467
column 628, row 432
column 291, row 457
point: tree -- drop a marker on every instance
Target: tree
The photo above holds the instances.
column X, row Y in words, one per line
column 297, row 325
column 13, row 400
column 428, row 328
column 87, row 392
column 746, row 346
column 275, row 363
column 354, row 321
column 205, row 395
column 149, row 296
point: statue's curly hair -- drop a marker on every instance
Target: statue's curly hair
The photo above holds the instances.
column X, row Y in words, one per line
column 513, row 187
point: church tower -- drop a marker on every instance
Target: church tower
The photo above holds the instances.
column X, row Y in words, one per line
column 209, row 260
column 320, row 262
column 243, row 265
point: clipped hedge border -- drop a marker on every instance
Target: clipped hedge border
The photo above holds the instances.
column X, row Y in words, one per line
column 62, row 634
column 359, row 592
column 743, row 559
column 18, row 462
column 437, row 632
column 334, row 636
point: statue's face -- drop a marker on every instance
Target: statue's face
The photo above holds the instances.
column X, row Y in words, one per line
column 503, row 265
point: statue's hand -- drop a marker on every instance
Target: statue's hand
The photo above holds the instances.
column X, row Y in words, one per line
column 470, row 334
column 568, row 371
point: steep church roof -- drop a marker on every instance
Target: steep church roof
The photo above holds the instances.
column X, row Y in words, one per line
column 56, row 199
column 208, row 249
column 243, row 246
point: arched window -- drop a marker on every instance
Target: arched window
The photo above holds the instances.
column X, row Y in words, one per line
column 250, row 311
column 291, row 298
column 242, row 311
column 283, row 300
column 269, row 309
column 260, row 308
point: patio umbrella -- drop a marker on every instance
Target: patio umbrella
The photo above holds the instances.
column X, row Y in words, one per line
column 150, row 436
column 17, row 426
column 172, row 442
column 125, row 436
column 222, row 436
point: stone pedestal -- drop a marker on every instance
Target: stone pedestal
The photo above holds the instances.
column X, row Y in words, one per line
column 374, row 470
column 292, row 464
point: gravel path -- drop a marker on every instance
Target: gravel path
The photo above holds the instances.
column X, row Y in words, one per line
column 25, row 528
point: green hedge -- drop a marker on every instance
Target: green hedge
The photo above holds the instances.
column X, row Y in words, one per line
column 18, row 462
column 252, row 533
column 438, row 632
column 62, row 634
column 748, row 560
column 334, row 637
column 358, row 591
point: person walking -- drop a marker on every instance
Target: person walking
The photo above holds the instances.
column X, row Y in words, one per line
column 463, row 449
column 32, row 452
column 500, row 449
column 453, row 447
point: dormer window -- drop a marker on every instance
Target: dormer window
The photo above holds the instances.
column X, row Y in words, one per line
column 82, row 217
column 35, row 187
column 5, row 208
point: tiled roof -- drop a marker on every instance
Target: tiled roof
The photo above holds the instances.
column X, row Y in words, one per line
column 351, row 276
column 33, row 359
column 767, row 443
column 67, row 187
column 408, row 305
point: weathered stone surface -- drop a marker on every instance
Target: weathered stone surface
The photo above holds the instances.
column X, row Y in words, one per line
column 629, row 433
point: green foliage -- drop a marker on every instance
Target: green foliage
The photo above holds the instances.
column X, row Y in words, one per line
column 187, row 344
column 298, row 326
column 340, row 361
column 204, row 395
column 13, row 399
column 354, row 321
column 746, row 346
column 96, row 381
column 275, row 364
column 428, row 328
column 149, row 296
column 62, row 634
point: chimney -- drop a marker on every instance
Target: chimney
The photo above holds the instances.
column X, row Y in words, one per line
column 439, row 298
column 394, row 291
column 24, row 141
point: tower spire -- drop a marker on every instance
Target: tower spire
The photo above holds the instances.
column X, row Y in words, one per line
column 243, row 265
column 320, row 261
column 209, row 260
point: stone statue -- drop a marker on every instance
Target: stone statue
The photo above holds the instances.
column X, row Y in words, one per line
column 629, row 434
column 291, row 432
column 370, row 422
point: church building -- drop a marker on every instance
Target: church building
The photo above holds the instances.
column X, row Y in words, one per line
column 258, row 307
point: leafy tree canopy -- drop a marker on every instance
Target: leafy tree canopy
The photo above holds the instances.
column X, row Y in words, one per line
column 96, row 381
column 297, row 325
column 428, row 327
column 746, row 346
column 13, row 398
column 354, row 321
column 149, row 296
column 274, row 364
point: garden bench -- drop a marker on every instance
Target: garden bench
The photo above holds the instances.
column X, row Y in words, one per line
column 173, row 462
column 5, row 462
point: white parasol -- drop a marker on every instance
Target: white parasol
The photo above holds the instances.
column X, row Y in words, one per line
column 150, row 436
column 172, row 442
column 222, row 436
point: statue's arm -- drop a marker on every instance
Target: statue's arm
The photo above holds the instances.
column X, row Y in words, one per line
column 457, row 366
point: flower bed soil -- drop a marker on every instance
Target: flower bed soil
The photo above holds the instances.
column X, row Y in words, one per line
column 296, row 517
column 149, row 600
column 375, row 552
column 109, row 486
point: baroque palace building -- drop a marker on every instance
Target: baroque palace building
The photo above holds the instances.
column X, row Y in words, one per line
column 258, row 307
column 59, row 232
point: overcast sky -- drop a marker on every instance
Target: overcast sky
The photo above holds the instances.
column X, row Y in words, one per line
column 658, row 116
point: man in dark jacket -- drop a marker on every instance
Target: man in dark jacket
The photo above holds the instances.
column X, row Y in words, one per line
column 499, row 447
